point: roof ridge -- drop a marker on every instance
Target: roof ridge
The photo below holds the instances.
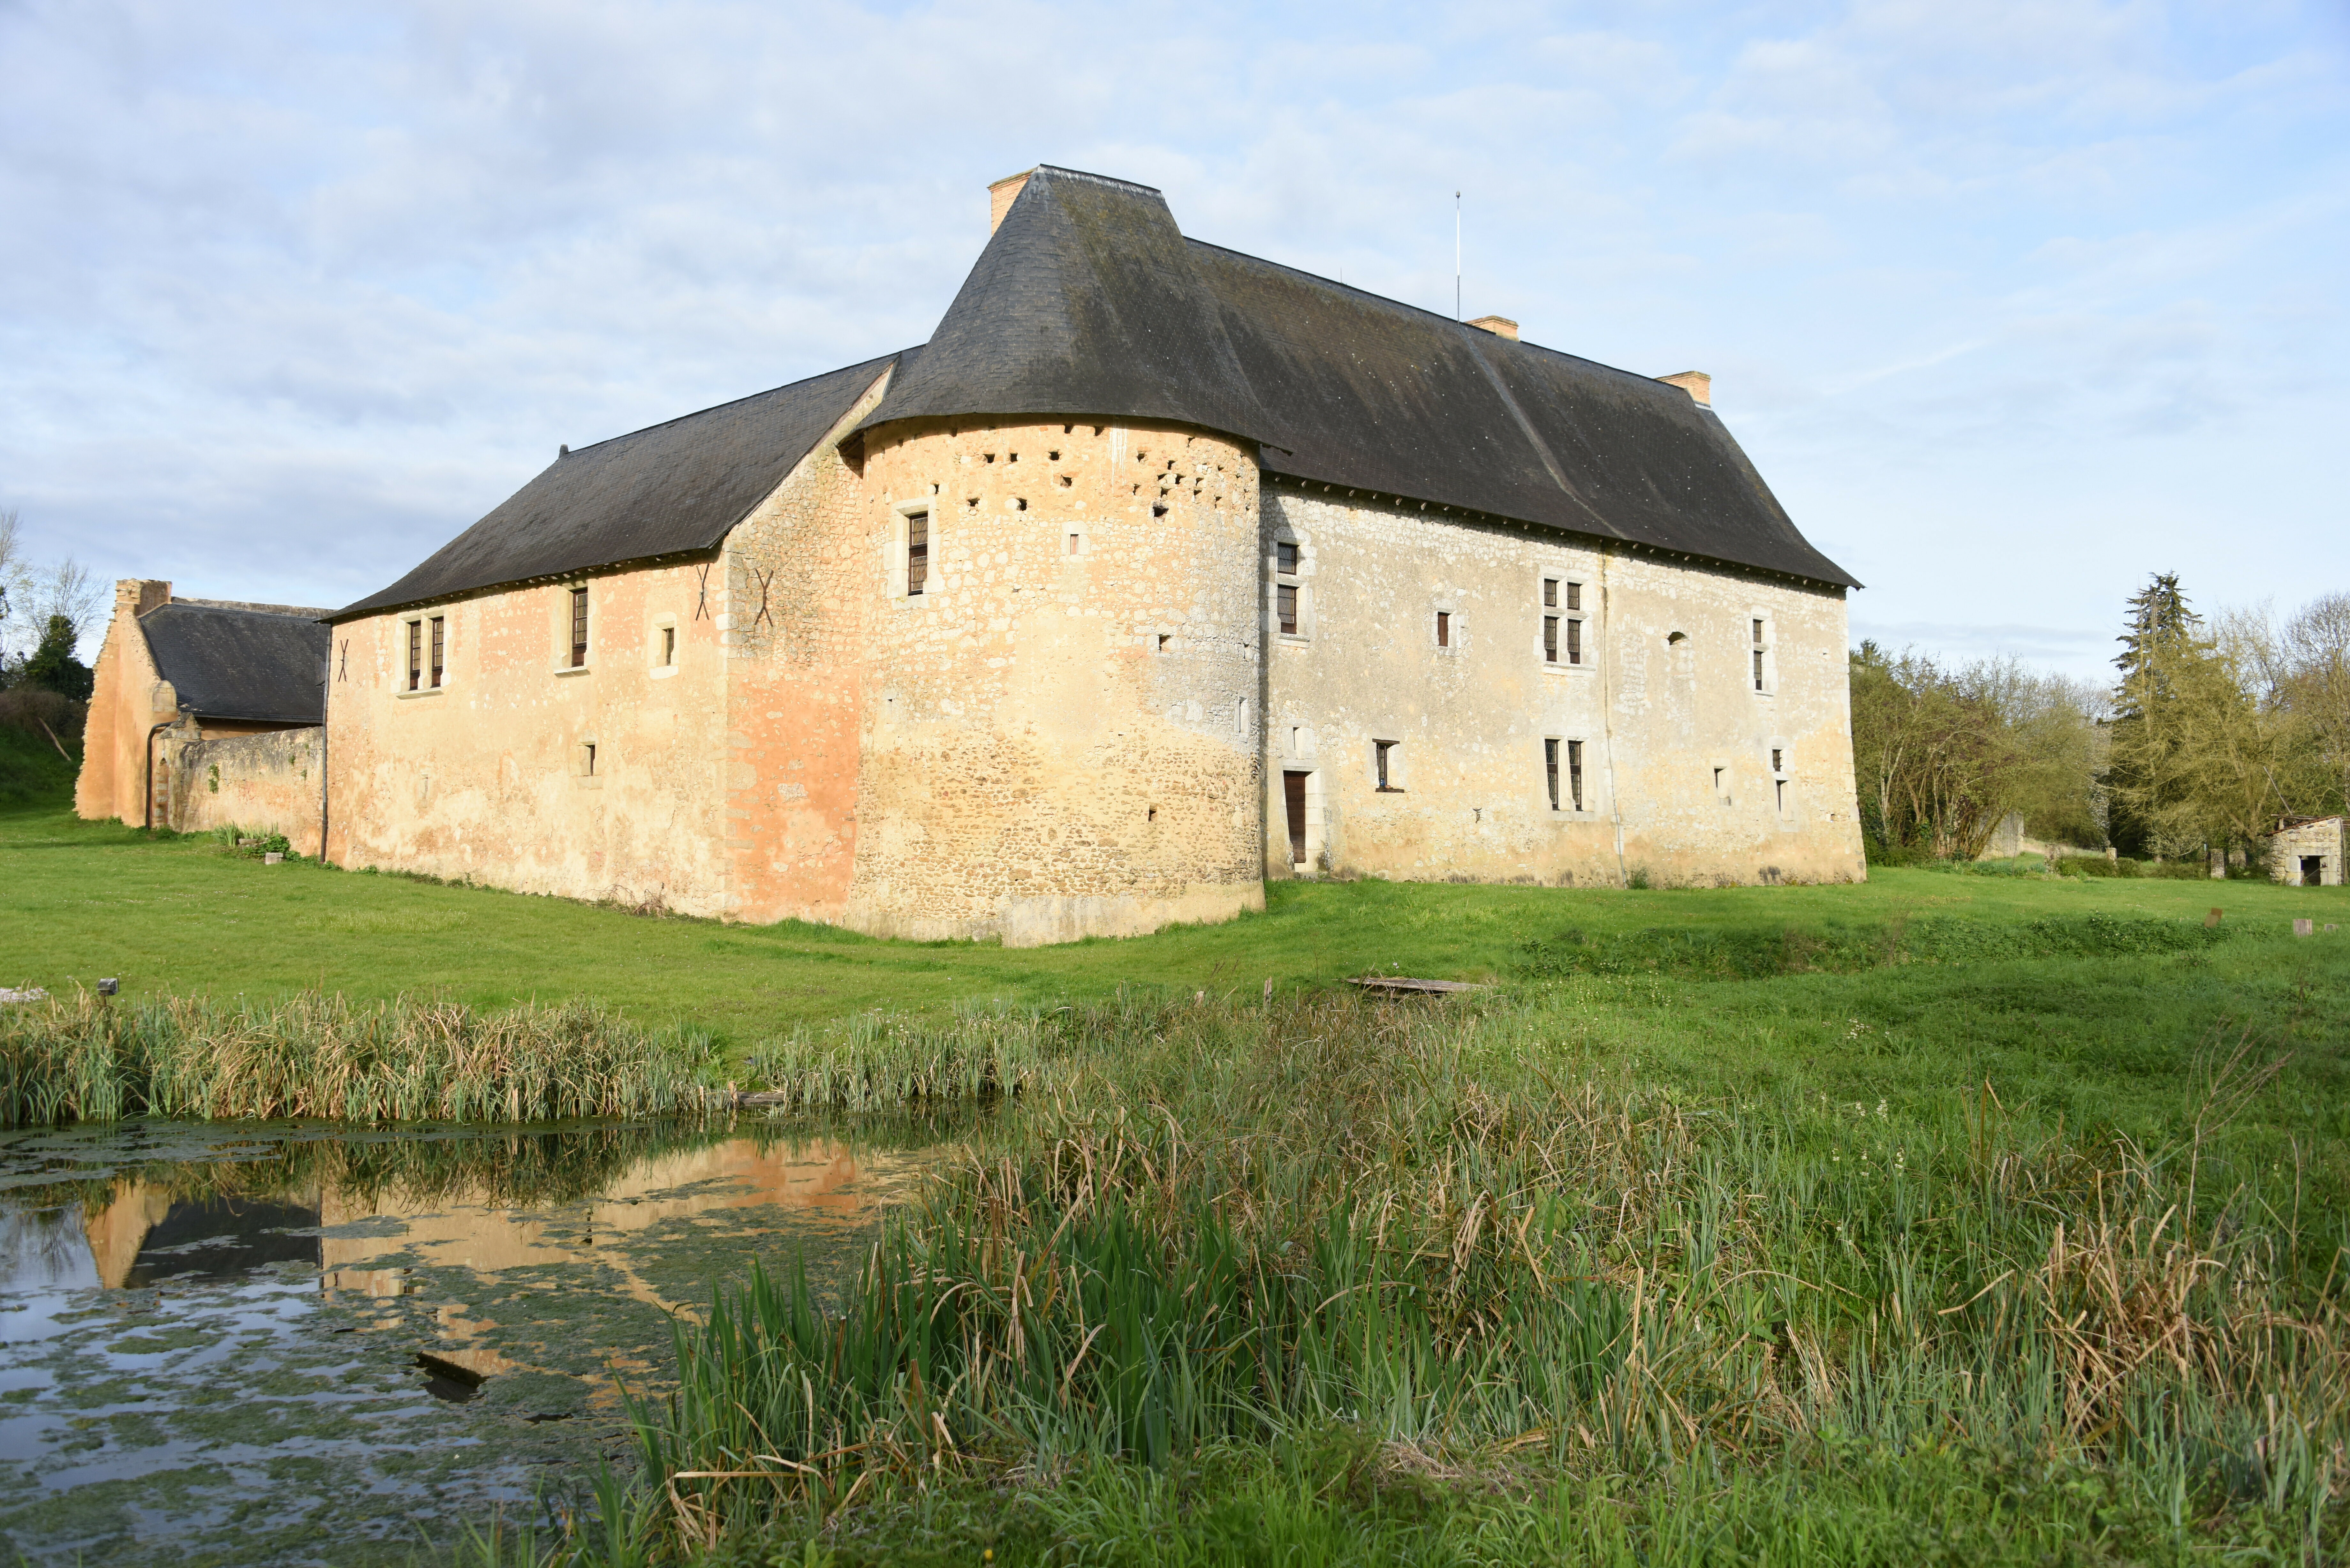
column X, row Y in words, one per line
column 1110, row 179
column 248, row 607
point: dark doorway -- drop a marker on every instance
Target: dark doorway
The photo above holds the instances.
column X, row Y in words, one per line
column 1292, row 795
column 2312, row 870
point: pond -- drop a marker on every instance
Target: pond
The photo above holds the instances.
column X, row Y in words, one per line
column 265, row 1344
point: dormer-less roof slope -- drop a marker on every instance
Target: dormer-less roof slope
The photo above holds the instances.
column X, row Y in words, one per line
column 238, row 663
column 1088, row 301
column 672, row 489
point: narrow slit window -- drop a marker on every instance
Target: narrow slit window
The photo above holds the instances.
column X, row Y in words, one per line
column 918, row 550
column 668, row 647
column 587, row 759
column 1550, row 771
column 1758, row 656
column 1778, row 761
column 1574, row 772
column 1782, row 796
column 1443, row 628
column 415, row 656
column 578, row 628
column 1383, row 761
column 1285, row 603
column 1073, row 544
column 439, row 644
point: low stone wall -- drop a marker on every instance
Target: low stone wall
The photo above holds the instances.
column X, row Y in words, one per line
column 268, row 783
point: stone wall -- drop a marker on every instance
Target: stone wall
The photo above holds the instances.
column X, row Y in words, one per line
column 1688, row 774
column 266, row 781
column 2289, row 851
column 128, row 698
column 597, row 782
column 1059, row 733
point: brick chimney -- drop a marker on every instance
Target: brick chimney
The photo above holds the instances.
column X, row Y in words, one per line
column 1499, row 325
column 1000, row 195
column 1695, row 383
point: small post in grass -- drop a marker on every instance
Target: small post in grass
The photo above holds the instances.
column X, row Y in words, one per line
column 2212, row 918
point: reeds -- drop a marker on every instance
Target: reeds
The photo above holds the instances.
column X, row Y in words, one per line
column 91, row 1058
column 1248, row 1225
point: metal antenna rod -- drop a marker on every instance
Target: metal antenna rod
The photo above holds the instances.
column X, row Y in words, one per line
column 1456, row 255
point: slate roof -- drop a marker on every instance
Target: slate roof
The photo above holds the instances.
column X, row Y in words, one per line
column 1089, row 300
column 672, row 489
column 238, row 663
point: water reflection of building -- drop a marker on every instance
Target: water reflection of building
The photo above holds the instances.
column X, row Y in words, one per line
column 146, row 1233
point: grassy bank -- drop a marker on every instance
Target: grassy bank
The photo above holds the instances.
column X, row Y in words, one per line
column 1332, row 1281
column 90, row 1058
column 179, row 917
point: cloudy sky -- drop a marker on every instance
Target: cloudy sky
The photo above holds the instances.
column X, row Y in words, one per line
column 2013, row 301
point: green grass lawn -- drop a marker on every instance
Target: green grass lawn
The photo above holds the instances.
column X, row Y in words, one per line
column 2110, row 1038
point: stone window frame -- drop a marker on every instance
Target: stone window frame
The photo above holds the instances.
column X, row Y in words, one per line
column 422, row 620
column 1397, row 759
column 894, row 552
column 1573, row 604
column 1455, row 626
column 1776, row 754
column 589, row 761
column 1289, row 534
column 1759, row 653
column 655, row 669
column 1567, row 810
column 562, row 619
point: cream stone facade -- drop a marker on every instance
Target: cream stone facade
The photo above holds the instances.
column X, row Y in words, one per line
column 1674, row 763
column 1124, row 593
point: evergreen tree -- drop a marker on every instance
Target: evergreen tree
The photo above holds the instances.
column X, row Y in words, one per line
column 54, row 668
column 2160, row 622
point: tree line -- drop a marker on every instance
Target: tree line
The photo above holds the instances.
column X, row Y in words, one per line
column 43, row 614
column 2212, row 733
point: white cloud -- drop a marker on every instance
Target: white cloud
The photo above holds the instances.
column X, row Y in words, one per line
column 2043, row 288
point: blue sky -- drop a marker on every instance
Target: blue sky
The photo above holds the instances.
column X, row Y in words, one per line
column 2012, row 303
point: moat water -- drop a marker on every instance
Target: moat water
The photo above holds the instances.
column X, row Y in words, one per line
column 263, row 1343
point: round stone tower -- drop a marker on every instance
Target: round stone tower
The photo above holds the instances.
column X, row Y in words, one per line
column 1062, row 696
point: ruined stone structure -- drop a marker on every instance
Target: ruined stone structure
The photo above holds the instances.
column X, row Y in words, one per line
column 2307, row 852
column 1159, row 570
column 207, row 713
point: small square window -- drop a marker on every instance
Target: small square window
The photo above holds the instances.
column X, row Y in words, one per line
column 1284, row 557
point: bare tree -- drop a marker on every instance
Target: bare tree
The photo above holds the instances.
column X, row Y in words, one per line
column 2315, row 677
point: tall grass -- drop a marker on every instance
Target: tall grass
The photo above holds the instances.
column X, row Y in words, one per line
column 91, row 1058
column 1336, row 1215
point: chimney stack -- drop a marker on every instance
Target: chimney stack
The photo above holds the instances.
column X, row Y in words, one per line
column 1000, row 195
column 1499, row 325
column 1695, row 383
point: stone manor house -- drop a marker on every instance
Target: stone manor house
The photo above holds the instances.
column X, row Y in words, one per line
column 1159, row 570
